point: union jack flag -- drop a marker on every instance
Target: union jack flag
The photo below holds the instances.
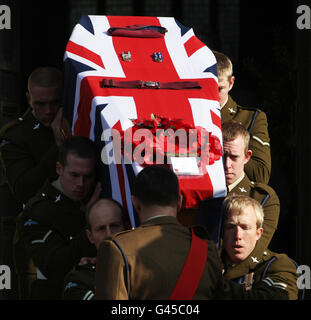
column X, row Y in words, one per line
column 91, row 55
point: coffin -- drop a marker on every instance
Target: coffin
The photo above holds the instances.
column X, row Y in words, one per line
column 93, row 110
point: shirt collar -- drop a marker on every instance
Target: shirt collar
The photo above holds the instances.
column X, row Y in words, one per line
column 155, row 217
column 224, row 103
column 235, row 183
column 57, row 185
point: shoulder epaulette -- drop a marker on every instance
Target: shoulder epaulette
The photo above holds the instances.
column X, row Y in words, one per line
column 14, row 122
column 264, row 187
column 254, row 109
column 44, row 195
column 34, row 200
column 10, row 125
column 122, row 232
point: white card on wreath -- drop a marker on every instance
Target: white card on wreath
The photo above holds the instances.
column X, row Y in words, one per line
column 185, row 166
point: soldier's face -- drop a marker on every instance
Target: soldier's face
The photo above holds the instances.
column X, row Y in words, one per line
column 105, row 220
column 225, row 85
column 44, row 102
column 235, row 159
column 240, row 234
column 77, row 177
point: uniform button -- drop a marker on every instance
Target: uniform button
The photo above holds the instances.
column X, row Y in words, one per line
column 265, row 253
column 43, row 194
column 20, row 119
column 70, row 238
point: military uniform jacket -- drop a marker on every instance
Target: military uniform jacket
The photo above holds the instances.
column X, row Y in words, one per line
column 254, row 270
column 156, row 252
column 267, row 197
column 258, row 169
column 29, row 155
column 80, row 283
column 53, row 230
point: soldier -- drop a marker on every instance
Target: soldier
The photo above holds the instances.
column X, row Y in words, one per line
column 162, row 259
column 242, row 229
column 52, row 223
column 258, row 169
column 236, row 155
column 104, row 218
column 155, row 252
column 29, row 145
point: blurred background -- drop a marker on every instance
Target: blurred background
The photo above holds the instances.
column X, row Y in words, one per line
column 271, row 59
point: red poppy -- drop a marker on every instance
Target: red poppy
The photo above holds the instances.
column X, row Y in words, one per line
column 161, row 137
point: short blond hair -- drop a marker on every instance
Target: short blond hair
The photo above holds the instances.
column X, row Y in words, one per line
column 232, row 129
column 224, row 65
column 239, row 203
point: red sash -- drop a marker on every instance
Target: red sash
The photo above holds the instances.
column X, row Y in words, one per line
column 191, row 274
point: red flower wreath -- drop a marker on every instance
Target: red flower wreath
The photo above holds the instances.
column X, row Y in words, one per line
column 159, row 137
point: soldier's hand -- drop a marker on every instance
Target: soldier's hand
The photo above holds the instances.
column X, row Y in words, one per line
column 86, row 260
column 65, row 128
column 60, row 128
column 56, row 127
